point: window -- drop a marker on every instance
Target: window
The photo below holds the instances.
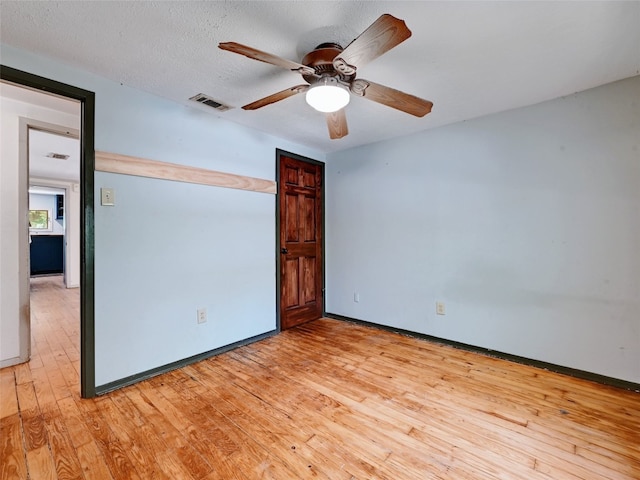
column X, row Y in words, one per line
column 39, row 220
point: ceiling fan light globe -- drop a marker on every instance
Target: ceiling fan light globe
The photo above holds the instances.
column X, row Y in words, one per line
column 327, row 98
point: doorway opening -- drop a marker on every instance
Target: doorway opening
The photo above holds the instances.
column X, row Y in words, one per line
column 53, row 155
column 17, row 320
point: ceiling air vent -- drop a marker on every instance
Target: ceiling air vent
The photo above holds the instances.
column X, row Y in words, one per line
column 210, row 102
column 58, row 156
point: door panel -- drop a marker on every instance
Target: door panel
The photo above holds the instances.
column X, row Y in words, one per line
column 290, row 286
column 301, row 296
column 308, row 226
column 308, row 178
column 308, row 283
column 291, row 217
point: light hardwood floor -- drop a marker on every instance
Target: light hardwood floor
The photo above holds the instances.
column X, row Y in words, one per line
column 327, row 400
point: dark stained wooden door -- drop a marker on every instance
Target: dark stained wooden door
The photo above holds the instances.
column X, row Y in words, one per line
column 301, row 262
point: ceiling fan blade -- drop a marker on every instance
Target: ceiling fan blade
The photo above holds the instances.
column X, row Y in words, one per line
column 381, row 36
column 391, row 97
column 276, row 97
column 337, row 123
column 266, row 57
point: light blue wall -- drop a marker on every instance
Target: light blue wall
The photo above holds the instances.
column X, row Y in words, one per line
column 166, row 249
column 525, row 223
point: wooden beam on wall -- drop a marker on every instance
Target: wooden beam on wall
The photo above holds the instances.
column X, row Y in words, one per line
column 141, row 167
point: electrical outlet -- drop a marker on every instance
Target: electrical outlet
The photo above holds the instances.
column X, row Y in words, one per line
column 202, row 315
column 440, row 310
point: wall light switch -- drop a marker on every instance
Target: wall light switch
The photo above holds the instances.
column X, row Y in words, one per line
column 107, row 197
column 440, row 310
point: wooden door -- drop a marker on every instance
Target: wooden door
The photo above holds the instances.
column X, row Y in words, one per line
column 301, row 262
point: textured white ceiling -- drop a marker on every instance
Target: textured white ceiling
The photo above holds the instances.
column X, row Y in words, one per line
column 42, row 144
column 469, row 58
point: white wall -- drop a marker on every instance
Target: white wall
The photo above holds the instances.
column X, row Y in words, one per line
column 219, row 251
column 525, row 223
column 13, row 228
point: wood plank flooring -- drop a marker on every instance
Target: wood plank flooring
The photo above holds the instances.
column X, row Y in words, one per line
column 328, row 400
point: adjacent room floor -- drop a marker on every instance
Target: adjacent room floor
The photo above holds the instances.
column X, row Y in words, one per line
column 327, row 400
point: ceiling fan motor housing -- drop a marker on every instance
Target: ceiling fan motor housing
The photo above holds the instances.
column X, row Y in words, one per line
column 321, row 60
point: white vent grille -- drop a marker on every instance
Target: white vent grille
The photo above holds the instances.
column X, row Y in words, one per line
column 210, row 102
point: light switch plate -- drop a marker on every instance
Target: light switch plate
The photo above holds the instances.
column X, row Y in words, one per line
column 107, row 197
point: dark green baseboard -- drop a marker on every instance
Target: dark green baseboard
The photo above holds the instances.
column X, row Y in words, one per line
column 573, row 372
column 138, row 377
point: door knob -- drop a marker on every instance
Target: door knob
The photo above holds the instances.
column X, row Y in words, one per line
column 284, row 250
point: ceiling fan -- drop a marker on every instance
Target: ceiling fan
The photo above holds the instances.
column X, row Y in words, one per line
column 330, row 73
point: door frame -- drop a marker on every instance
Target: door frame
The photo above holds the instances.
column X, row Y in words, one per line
column 87, row 171
column 279, row 154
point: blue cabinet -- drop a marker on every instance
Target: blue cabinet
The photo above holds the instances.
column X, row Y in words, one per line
column 47, row 254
